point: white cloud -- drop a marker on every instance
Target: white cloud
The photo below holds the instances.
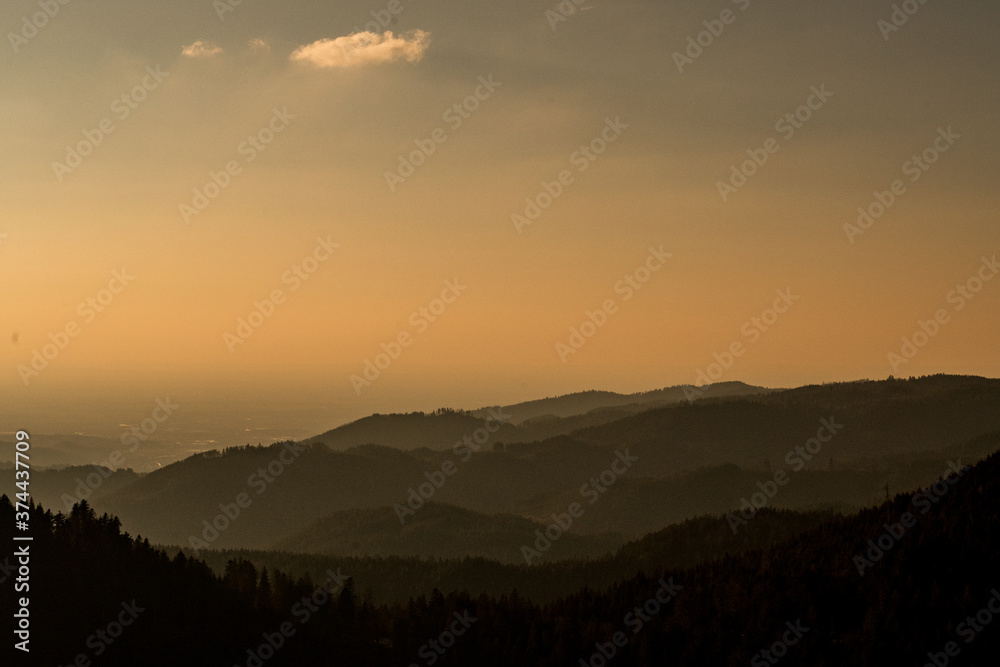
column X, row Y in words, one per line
column 201, row 49
column 364, row 48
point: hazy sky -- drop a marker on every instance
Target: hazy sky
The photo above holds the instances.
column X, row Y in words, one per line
column 184, row 85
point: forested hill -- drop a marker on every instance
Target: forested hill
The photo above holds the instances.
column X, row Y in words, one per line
column 882, row 417
column 439, row 430
column 569, row 405
column 690, row 459
column 890, row 585
column 522, row 422
column 438, row 530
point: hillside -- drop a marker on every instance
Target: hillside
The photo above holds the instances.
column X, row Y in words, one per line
column 394, row 579
column 63, row 450
column 570, row 405
column 884, row 417
column 435, row 531
column 851, row 600
column 889, row 585
column 61, row 488
column 523, row 422
column 437, row 431
column 690, row 459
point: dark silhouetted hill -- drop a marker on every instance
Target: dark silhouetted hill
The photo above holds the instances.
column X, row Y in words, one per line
column 436, row 531
column 570, row 405
column 900, row 583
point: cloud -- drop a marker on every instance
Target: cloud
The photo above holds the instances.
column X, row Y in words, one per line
column 259, row 45
column 364, row 48
column 201, row 49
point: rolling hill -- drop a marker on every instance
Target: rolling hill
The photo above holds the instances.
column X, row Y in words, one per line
column 434, row 531
column 570, row 405
column 690, row 459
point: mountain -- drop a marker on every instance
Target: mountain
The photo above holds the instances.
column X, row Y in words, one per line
column 61, row 488
column 570, row 405
column 394, row 579
column 870, row 419
column 438, row 431
column 523, row 422
column 95, row 591
column 689, row 459
column 910, row 581
column 48, row 450
column 435, row 531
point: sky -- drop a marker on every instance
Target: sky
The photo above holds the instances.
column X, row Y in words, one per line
column 518, row 170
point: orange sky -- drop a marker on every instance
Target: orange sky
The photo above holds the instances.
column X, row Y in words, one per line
column 349, row 109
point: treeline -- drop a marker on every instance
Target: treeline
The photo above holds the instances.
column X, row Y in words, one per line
column 395, row 579
column 919, row 584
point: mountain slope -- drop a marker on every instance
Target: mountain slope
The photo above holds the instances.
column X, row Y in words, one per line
column 681, row 469
column 435, row 530
column 524, row 422
column 909, row 581
column 570, row 405
column 892, row 416
column 438, row 431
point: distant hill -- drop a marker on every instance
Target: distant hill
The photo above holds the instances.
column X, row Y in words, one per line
column 878, row 417
column 570, row 405
column 873, row 588
column 62, row 450
column 435, row 530
column 692, row 459
column 170, row 505
column 524, row 422
column 48, row 487
column 396, row 579
column 439, row 431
